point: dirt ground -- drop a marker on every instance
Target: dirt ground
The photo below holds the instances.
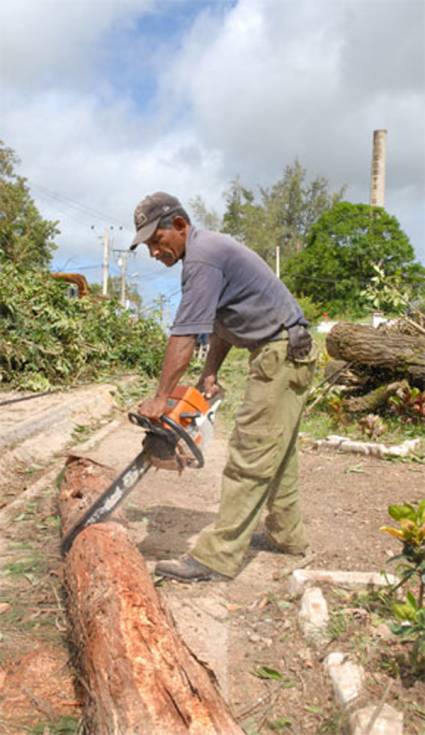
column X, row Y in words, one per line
column 238, row 627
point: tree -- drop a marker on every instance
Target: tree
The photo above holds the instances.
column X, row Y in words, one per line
column 25, row 237
column 207, row 219
column 283, row 215
column 246, row 220
column 294, row 205
column 342, row 249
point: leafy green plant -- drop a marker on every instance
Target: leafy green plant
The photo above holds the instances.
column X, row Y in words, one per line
column 48, row 339
column 336, row 408
column 408, row 404
column 410, row 614
column 411, row 534
column 390, row 292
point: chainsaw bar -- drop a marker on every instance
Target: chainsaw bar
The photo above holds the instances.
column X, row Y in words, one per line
column 110, row 498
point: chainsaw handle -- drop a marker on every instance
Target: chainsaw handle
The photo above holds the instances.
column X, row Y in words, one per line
column 149, row 425
column 177, row 432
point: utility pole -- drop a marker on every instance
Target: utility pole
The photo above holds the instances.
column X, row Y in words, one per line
column 105, row 261
column 122, row 263
column 277, row 261
column 105, row 266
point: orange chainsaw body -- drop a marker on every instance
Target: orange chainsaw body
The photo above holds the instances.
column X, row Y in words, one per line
column 184, row 403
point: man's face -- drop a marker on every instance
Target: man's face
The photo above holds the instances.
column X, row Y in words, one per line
column 167, row 246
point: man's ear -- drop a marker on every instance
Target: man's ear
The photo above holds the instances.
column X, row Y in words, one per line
column 179, row 223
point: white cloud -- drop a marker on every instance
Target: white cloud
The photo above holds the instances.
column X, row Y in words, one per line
column 282, row 80
column 102, row 112
column 43, row 40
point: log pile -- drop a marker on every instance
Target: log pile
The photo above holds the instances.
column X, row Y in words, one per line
column 373, row 364
column 373, row 350
column 138, row 676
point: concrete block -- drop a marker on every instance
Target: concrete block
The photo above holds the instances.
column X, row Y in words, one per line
column 388, row 722
column 347, row 678
column 301, row 578
column 313, row 615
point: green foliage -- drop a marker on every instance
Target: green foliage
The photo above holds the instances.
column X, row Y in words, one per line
column 47, row 339
column 247, row 221
column 25, row 238
column 410, row 613
column 408, row 404
column 283, row 215
column 411, row 625
column 114, row 292
column 294, row 205
column 392, row 294
column 341, row 254
column 312, row 312
column 205, row 218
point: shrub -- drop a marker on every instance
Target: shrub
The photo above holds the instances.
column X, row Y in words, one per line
column 48, row 339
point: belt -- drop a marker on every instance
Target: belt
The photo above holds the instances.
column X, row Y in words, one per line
column 274, row 338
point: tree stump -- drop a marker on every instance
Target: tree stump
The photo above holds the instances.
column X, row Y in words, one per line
column 400, row 354
column 139, row 676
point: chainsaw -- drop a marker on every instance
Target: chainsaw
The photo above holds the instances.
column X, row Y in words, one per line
column 174, row 442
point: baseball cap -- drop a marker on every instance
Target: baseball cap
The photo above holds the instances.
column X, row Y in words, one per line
column 149, row 212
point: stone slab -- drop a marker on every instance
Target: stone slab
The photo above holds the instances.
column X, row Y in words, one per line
column 314, row 615
column 347, row 678
column 301, row 578
column 388, row 722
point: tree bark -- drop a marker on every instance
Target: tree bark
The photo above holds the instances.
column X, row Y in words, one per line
column 139, row 676
column 376, row 398
column 401, row 354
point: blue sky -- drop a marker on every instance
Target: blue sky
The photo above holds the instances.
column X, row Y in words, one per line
column 106, row 101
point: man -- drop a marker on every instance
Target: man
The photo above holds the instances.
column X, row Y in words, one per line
column 229, row 293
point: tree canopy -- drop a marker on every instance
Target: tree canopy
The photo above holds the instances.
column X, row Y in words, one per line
column 280, row 215
column 342, row 249
column 26, row 239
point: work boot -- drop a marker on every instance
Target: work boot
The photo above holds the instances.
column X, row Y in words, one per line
column 262, row 542
column 186, row 569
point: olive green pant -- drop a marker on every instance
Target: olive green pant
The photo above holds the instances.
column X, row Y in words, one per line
column 262, row 468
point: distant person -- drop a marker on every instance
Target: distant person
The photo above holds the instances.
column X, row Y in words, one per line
column 230, row 294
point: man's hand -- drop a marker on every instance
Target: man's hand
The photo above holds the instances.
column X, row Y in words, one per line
column 153, row 408
column 209, row 386
column 299, row 342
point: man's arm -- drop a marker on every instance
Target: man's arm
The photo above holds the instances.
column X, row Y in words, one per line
column 177, row 357
column 218, row 349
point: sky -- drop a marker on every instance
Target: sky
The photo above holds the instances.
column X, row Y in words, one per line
column 105, row 101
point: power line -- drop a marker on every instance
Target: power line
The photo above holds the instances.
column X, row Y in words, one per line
column 89, row 211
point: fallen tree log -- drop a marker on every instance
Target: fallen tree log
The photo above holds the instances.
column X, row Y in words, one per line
column 375, row 399
column 139, row 676
column 401, row 354
column 340, row 372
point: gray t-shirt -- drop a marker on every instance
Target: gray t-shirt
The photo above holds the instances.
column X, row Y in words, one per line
column 229, row 290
